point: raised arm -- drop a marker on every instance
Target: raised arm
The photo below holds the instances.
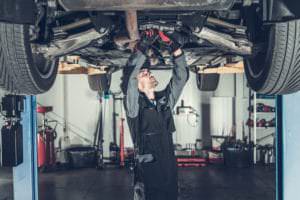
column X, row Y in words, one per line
column 179, row 78
column 180, row 70
column 129, row 83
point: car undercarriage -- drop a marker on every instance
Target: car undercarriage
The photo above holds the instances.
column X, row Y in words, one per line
column 100, row 32
column 101, row 38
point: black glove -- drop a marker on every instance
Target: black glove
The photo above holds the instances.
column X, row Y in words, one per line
column 171, row 42
column 181, row 38
column 148, row 37
column 174, row 41
column 142, row 46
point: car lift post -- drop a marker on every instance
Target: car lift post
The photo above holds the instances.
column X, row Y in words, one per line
column 288, row 108
column 25, row 176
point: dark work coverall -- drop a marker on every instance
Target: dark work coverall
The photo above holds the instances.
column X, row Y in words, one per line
column 151, row 125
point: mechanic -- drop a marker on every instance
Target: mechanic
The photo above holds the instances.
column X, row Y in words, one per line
column 150, row 120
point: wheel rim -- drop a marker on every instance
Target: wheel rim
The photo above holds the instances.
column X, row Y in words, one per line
column 257, row 66
column 45, row 67
column 257, row 62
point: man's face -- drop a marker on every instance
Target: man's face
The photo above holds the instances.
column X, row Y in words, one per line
column 146, row 81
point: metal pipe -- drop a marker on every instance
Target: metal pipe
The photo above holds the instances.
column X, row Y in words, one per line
column 74, row 25
column 132, row 29
column 237, row 45
column 72, row 43
column 218, row 22
column 132, row 25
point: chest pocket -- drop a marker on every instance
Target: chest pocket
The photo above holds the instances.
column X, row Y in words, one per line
column 154, row 122
column 150, row 121
column 156, row 119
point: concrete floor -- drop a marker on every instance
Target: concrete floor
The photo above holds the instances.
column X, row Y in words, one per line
column 207, row 183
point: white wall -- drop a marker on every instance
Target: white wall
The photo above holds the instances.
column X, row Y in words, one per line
column 78, row 105
column 221, row 116
column 73, row 101
column 187, row 131
column 1, row 123
column 233, row 86
column 76, row 108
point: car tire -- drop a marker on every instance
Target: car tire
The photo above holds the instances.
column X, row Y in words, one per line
column 26, row 72
column 5, row 79
column 207, row 82
column 99, row 82
column 276, row 70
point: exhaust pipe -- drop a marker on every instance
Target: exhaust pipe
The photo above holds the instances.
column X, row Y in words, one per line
column 72, row 43
column 132, row 25
column 226, row 41
column 132, row 29
column 241, row 46
column 80, row 40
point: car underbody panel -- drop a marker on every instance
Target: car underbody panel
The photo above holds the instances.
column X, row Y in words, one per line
column 26, row 11
column 101, row 38
column 103, row 33
column 146, row 4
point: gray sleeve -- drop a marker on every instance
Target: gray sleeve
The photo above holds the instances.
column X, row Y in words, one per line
column 179, row 78
column 132, row 94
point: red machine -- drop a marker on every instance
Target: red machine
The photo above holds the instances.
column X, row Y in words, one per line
column 122, row 156
column 46, row 139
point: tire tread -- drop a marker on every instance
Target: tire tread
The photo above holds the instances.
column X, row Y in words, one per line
column 284, row 75
column 19, row 78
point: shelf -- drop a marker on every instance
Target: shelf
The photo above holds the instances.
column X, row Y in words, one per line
column 263, row 96
column 260, row 128
column 263, row 112
column 263, row 99
column 220, row 136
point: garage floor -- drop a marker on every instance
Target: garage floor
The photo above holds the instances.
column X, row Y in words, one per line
column 207, row 183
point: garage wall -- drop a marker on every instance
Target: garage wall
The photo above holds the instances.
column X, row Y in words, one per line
column 1, row 123
column 77, row 108
column 188, row 129
column 234, row 87
column 230, row 99
column 76, row 104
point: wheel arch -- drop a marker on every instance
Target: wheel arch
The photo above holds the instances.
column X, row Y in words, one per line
column 18, row 11
column 281, row 10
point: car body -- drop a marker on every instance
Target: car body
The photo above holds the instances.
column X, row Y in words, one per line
column 217, row 33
